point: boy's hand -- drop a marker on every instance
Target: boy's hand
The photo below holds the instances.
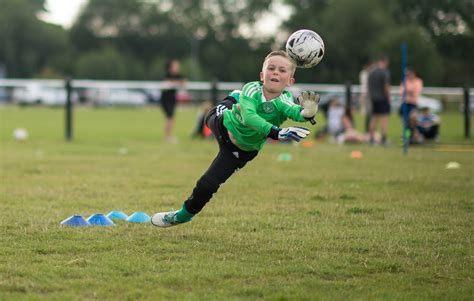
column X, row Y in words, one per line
column 309, row 101
column 294, row 133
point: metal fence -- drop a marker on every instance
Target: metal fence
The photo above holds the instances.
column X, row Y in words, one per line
column 106, row 92
column 199, row 90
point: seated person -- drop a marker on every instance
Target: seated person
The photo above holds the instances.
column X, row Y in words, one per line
column 427, row 125
column 335, row 127
column 351, row 135
column 341, row 125
column 201, row 130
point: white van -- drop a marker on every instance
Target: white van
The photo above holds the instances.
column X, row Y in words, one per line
column 35, row 93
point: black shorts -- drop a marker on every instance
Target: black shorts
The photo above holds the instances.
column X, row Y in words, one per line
column 410, row 107
column 215, row 121
column 168, row 102
column 380, row 107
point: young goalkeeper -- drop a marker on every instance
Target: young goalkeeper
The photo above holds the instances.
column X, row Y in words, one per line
column 241, row 124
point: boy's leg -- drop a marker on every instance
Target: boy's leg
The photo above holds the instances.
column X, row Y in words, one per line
column 228, row 160
column 373, row 125
column 223, row 166
column 384, row 128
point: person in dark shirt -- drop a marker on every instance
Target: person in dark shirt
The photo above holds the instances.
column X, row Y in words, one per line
column 174, row 80
column 379, row 91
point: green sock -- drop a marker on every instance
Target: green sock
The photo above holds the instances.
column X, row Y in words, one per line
column 183, row 215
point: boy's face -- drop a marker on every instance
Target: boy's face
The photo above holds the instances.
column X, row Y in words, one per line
column 277, row 74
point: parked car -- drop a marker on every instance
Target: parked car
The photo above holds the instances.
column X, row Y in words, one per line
column 434, row 105
column 182, row 96
column 35, row 93
column 116, row 97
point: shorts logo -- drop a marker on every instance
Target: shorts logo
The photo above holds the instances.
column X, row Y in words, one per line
column 220, row 109
column 268, row 107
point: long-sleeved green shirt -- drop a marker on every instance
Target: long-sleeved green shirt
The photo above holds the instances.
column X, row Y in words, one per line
column 251, row 119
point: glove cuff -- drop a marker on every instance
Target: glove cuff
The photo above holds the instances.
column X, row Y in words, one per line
column 274, row 132
column 305, row 113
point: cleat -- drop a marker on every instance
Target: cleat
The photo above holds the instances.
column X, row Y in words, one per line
column 165, row 219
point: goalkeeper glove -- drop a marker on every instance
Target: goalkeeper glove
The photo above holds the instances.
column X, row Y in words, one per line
column 309, row 101
column 294, row 133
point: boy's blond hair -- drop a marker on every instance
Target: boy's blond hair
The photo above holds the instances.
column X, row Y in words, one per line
column 283, row 54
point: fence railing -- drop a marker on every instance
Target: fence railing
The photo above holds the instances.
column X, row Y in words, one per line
column 204, row 86
column 214, row 88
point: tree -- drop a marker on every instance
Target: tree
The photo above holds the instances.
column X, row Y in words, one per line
column 422, row 54
column 450, row 23
column 349, row 29
column 27, row 44
column 439, row 34
column 151, row 29
column 108, row 63
column 457, row 54
column 438, row 17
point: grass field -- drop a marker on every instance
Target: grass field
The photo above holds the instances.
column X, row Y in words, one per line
column 322, row 226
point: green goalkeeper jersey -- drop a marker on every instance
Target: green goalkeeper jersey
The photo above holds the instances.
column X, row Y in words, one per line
column 251, row 119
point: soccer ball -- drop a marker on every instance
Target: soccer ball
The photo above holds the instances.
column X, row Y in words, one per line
column 20, row 134
column 305, row 48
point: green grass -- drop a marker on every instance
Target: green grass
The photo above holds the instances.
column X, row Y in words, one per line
column 322, row 226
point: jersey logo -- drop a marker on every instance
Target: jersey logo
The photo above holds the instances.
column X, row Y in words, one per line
column 268, row 107
column 236, row 154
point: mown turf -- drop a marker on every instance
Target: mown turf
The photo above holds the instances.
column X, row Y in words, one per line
column 322, row 226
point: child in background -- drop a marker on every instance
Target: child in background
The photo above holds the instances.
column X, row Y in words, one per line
column 427, row 126
column 242, row 127
column 174, row 80
column 334, row 124
column 201, row 130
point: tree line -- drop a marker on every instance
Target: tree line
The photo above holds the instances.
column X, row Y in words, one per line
column 217, row 39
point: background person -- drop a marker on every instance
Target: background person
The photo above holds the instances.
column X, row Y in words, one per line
column 351, row 135
column 201, row 130
column 379, row 91
column 364, row 99
column 428, row 125
column 335, row 127
column 173, row 80
column 342, row 127
column 414, row 86
column 412, row 89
